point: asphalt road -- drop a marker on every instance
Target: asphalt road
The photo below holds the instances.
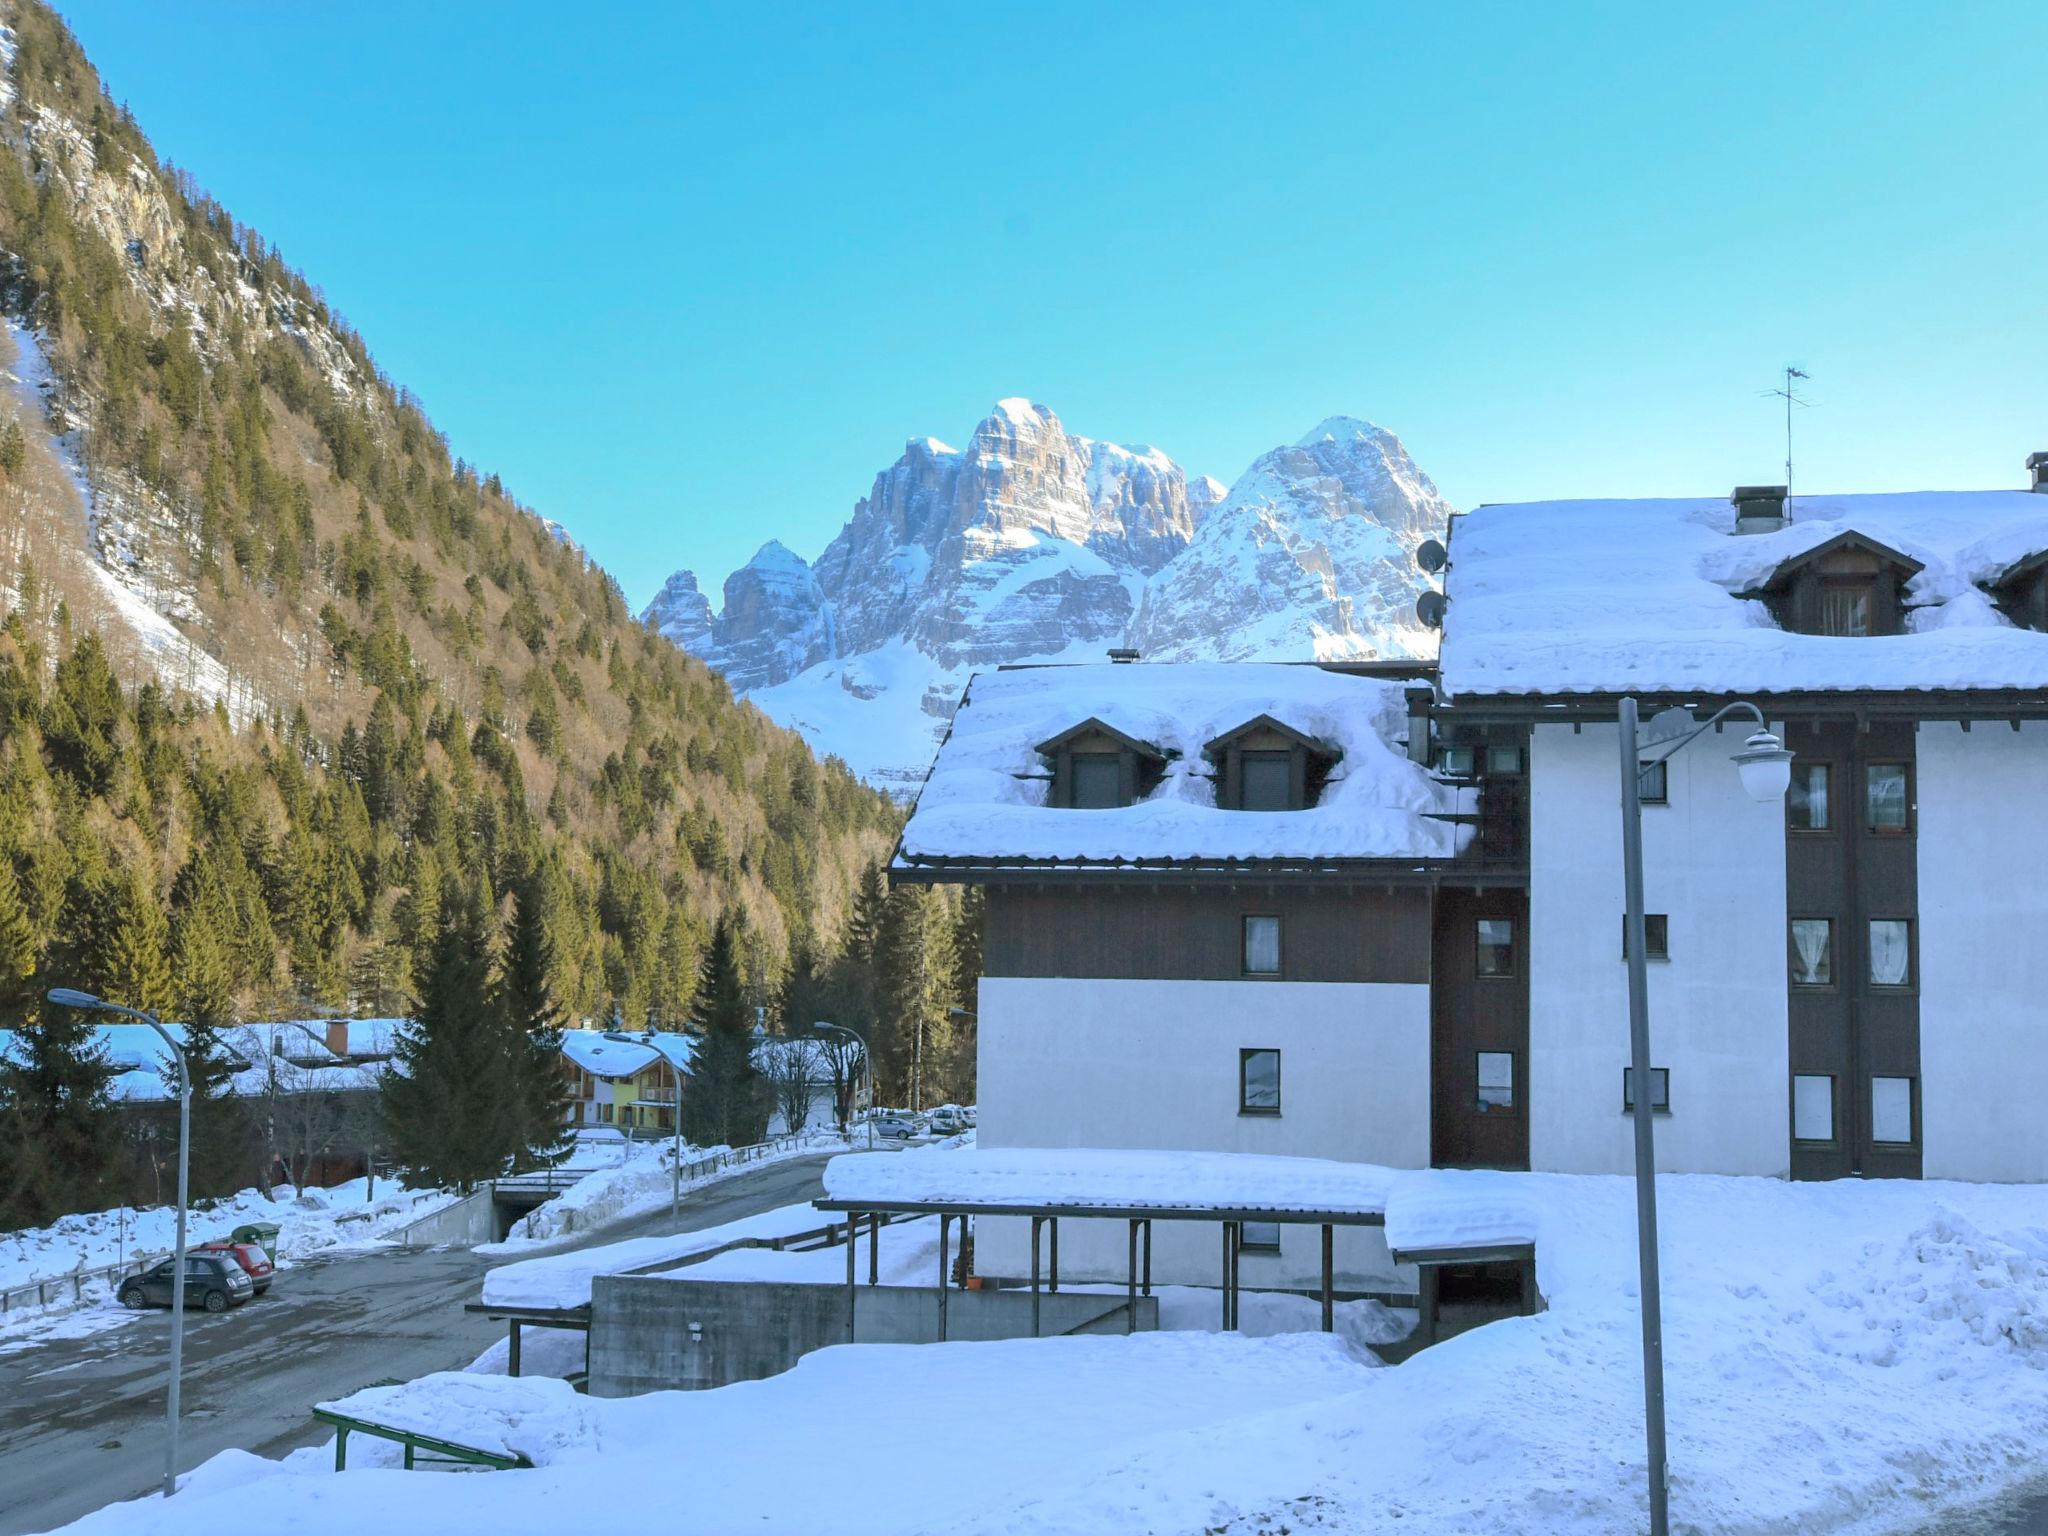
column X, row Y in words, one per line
column 81, row 1420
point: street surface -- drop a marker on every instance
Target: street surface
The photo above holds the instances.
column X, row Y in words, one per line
column 81, row 1420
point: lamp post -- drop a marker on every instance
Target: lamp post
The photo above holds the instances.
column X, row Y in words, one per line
column 675, row 1171
column 867, row 1064
column 1766, row 769
column 65, row 997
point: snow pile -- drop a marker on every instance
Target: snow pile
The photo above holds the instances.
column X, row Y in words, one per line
column 563, row 1279
column 986, row 797
column 1087, row 1176
column 1943, row 1288
column 639, row 1182
column 1436, row 1208
column 1613, row 596
column 333, row 1220
column 1848, row 1358
column 537, row 1417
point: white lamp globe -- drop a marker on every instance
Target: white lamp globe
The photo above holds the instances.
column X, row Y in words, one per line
column 1766, row 768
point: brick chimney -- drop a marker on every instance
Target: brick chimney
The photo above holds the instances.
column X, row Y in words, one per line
column 337, row 1037
column 2037, row 470
column 1759, row 508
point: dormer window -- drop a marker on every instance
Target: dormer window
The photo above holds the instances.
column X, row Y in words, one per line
column 1096, row 767
column 1849, row 587
column 1265, row 765
column 2021, row 591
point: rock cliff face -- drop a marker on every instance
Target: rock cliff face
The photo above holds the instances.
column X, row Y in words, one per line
column 1033, row 544
column 1312, row 554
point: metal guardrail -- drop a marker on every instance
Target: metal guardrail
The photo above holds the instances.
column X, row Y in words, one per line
column 40, row 1293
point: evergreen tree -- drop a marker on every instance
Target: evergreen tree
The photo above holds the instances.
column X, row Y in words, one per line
column 533, row 1067
column 59, row 1138
column 725, row 1099
column 134, row 965
column 450, row 1116
column 205, row 992
column 913, row 982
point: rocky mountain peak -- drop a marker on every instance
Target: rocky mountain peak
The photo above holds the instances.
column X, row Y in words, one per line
column 1035, row 542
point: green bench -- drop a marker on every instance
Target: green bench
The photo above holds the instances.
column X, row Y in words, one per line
column 414, row 1442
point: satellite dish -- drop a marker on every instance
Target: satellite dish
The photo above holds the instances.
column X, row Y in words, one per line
column 1432, row 556
column 1430, row 609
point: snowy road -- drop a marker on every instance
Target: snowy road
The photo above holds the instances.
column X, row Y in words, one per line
column 81, row 1420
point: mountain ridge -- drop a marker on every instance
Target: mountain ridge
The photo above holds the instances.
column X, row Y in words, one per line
column 1034, row 543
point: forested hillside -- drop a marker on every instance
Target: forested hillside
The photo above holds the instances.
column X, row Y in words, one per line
column 284, row 682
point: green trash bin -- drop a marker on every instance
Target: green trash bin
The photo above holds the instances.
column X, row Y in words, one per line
column 261, row 1233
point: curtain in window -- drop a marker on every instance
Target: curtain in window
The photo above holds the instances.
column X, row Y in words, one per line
column 1262, row 946
column 1889, row 952
column 1887, row 787
column 1810, row 958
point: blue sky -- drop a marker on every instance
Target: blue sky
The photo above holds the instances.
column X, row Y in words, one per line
column 689, row 278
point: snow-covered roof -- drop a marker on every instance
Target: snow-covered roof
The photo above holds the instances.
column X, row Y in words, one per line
column 252, row 1052
column 1572, row 597
column 985, row 800
column 614, row 1053
column 619, row 1053
column 1107, row 1180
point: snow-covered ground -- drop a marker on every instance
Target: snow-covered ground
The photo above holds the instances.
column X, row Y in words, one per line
column 1846, row 1358
column 337, row 1219
column 633, row 1179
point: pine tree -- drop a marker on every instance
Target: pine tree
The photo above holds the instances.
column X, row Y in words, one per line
column 913, row 980
column 725, row 1100
column 59, row 1138
column 528, row 998
column 134, row 965
column 205, row 992
column 450, row 1117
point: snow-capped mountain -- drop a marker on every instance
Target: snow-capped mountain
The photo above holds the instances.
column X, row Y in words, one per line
column 1035, row 544
column 1310, row 555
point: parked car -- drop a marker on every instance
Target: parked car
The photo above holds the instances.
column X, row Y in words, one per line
column 947, row 1120
column 214, row 1281
column 254, row 1260
column 897, row 1127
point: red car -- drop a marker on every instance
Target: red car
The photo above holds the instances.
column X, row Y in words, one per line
column 254, row 1261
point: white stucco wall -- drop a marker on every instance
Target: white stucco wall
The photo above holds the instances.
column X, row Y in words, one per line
column 1154, row 1064
column 1714, row 863
column 1983, row 854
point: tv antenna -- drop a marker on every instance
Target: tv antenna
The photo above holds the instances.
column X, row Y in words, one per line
column 1789, row 393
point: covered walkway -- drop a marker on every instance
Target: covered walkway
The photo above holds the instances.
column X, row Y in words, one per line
column 1230, row 1189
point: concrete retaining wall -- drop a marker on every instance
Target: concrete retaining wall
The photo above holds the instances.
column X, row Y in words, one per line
column 469, row 1221
column 649, row 1333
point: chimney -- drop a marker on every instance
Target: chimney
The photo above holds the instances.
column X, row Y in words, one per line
column 337, row 1037
column 2037, row 466
column 1122, row 655
column 1759, row 508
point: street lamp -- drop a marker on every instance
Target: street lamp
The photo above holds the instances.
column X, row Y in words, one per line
column 1766, row 769
column 66, row 997
column 675, row 1171
column 867, row 1063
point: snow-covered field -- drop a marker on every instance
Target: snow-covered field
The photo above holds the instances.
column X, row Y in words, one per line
column 319, row 1221
column 1850, row 1358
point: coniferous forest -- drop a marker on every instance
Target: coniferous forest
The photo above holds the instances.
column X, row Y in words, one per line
column 413, row 758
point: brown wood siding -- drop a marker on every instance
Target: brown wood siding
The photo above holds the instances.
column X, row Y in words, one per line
column 1196, row 933
column 1470, row 1013
column 1851, row 1030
